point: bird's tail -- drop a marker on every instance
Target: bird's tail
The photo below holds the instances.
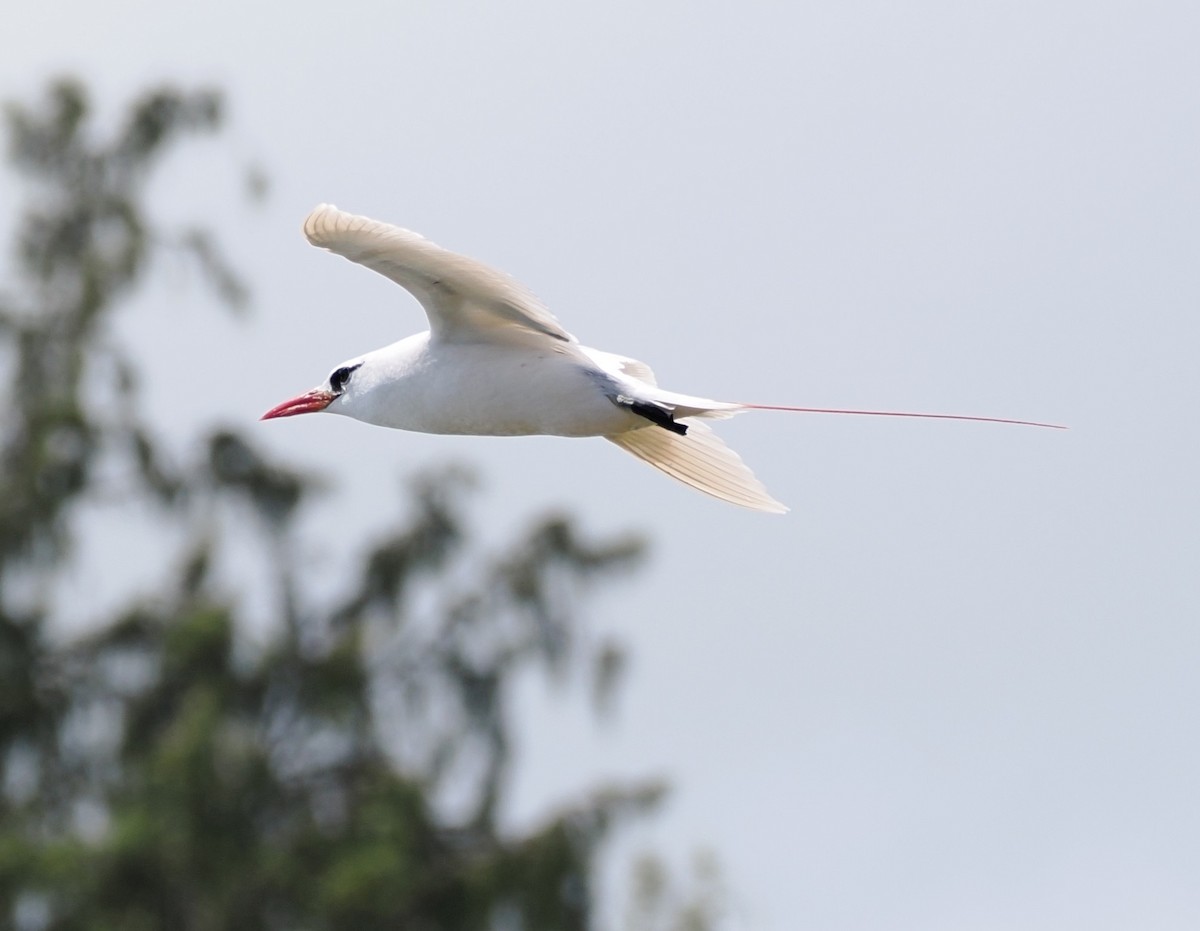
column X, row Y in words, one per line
column 738, row 408
column 701, row 460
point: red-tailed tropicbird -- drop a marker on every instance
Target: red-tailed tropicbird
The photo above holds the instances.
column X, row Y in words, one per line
column 496, row 362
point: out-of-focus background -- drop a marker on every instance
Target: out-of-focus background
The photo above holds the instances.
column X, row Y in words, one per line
column 956, row 686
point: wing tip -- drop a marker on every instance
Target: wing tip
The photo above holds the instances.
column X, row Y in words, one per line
column 316, row 222
column 327, row 224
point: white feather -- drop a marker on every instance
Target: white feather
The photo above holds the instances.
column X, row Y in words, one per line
column 701, row 460
column 463, row 298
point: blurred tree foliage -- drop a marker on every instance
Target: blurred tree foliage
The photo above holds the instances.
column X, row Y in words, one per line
column 160, row 771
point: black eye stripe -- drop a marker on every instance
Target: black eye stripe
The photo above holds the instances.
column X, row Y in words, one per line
column 337, row 381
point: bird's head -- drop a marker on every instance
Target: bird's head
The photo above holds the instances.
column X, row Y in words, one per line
column 337, row 390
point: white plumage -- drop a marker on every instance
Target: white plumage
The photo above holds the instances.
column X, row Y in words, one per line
column 496, row 362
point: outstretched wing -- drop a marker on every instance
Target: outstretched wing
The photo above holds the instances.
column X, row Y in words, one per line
column 464, row 300
column 701, row 460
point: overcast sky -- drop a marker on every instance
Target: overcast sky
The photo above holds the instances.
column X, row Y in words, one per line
column 956, row 687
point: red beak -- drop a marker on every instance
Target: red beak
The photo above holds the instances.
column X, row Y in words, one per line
column 308, row 403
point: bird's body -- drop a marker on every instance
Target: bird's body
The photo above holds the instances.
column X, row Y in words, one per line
column 484, row 389
column 495, row 362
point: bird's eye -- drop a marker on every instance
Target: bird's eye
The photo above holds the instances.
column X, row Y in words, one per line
column 337, row 381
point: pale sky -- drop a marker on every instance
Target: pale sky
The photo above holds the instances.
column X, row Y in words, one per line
column 956, row 687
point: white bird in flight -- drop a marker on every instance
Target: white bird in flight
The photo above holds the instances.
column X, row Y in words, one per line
column 496, row 362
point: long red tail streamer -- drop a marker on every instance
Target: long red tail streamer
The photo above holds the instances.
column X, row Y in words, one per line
column 834, row 410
